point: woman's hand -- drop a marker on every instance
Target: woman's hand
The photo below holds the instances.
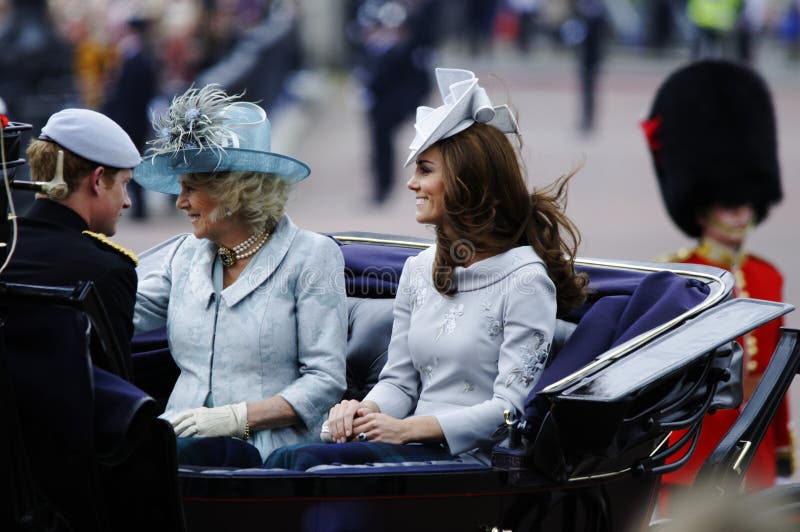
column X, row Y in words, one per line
column 382, row 428
column 226, row 420
column 387, row 429
column 341, row 416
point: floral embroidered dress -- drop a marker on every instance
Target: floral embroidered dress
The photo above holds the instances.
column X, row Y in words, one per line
column 467, row 358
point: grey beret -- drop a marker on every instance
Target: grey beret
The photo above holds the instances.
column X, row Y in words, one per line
column 93, row 136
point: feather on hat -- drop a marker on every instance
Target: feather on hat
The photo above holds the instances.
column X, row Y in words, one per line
column 206, row 130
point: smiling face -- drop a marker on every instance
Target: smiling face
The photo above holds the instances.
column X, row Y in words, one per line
column 428, row 186
column 200, row 206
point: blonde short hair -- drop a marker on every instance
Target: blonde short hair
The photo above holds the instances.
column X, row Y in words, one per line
column 42, row 157
column 258, row 198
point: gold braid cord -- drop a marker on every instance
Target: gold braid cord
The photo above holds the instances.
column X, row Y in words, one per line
column 128, row 254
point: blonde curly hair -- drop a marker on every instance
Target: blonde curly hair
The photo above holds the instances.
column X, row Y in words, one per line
column 257, row 198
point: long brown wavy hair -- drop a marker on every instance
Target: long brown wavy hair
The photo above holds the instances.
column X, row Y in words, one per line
column 489, row 210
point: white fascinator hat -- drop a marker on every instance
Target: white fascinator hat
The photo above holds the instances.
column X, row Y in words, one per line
column 465, row 102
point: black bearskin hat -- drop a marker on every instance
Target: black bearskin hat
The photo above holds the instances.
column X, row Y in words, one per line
column 712, row 136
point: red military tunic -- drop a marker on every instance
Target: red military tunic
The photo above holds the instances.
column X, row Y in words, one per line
column 758, row 279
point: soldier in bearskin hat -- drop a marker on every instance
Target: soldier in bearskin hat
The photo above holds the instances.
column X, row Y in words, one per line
column 712, row 136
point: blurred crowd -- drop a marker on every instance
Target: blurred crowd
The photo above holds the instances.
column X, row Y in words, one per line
column 128, row 57
column 94, row 36
column 121, row 57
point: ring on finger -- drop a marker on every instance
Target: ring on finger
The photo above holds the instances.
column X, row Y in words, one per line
column 362, row 436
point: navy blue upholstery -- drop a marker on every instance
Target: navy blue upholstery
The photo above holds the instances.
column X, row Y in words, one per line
column 620, row 309
column 154, row 371
column 51, row 377
column 374, row 271
column 369, row 329
column 98, row 458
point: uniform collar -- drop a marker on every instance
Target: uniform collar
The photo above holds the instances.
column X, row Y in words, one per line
column 717, row 253
column 50, row 211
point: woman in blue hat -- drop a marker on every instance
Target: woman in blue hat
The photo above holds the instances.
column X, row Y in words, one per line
column 254, row 307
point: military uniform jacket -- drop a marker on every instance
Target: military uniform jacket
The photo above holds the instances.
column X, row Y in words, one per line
column 52, row 250
column 756, row 278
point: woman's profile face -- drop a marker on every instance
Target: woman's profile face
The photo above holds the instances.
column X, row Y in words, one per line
column 428, row 187
column 199, row 205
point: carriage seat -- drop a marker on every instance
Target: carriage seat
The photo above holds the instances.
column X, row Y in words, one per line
column 369, row 330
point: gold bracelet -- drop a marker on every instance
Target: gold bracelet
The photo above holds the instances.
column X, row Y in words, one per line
column 247, row 434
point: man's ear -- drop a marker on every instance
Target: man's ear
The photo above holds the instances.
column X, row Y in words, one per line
column 96, row 179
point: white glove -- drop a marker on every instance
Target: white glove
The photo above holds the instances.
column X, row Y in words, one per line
column 227, row 420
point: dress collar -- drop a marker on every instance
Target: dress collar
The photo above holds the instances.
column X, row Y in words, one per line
column 264, row 262
column 494, row 269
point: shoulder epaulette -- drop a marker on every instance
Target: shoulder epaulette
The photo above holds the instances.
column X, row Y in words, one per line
column 99, row 237
column 677, row 256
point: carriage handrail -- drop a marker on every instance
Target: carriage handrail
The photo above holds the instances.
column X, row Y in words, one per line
column 726, row 466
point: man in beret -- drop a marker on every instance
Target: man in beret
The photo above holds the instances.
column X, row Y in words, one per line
column 62, row 240
column 62, row 237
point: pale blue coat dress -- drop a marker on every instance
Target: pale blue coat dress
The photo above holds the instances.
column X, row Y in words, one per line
column 467, row 358
column 280, row 329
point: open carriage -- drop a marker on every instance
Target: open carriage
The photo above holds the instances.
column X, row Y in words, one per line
column 651, row 352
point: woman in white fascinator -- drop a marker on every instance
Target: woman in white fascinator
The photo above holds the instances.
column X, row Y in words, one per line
column 254, row 306
column 475, row 314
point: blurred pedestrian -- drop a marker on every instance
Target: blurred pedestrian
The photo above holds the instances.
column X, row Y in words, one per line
column 712, row 135
column 659, row 24
column 394, row 44
column 130, row 94
column 479, row 24
column 527, row 12
column 585, row 31
column 93, row 59
column 714, row 23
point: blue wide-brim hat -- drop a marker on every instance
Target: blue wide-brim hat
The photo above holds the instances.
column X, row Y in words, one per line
column 204, row 131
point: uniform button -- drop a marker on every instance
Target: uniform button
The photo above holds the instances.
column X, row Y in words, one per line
column 752, row 346
column 752, row 365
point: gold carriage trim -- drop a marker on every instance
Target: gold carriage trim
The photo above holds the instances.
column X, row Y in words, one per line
column 128, row 254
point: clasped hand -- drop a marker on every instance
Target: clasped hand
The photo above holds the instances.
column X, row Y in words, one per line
column 351, row 418
column 227, row 420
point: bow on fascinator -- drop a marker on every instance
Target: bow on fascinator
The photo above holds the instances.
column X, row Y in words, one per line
column 465, row 102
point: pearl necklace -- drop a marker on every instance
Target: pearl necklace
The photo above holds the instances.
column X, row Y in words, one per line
column 230, row 256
